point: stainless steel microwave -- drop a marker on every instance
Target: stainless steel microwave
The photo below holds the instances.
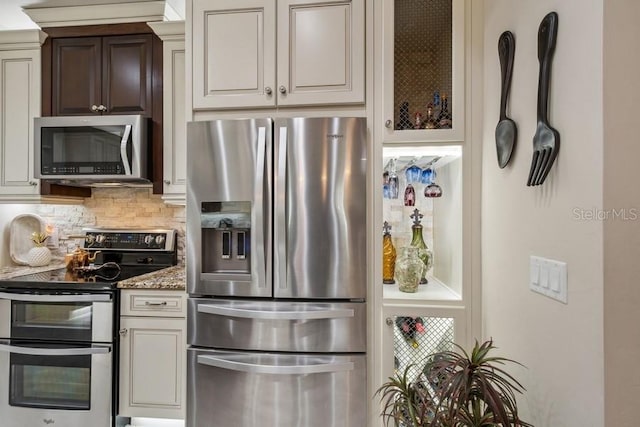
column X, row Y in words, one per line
column 91, row 149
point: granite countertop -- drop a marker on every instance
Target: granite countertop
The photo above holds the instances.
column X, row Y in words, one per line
column 168, row 278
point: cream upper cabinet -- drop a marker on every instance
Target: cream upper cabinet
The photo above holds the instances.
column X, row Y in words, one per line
column 421, row 90
column 20, row 103
column 263, row 53
column 174, row 138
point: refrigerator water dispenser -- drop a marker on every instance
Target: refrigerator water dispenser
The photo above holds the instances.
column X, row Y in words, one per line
column 226, row 237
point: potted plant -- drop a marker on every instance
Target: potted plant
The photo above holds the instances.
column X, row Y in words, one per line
column 454, row 389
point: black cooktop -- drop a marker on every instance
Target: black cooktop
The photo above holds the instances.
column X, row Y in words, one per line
column 119, row 254
column 106, row 278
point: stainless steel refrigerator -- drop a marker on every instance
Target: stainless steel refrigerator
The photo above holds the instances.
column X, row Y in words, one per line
column 277, row 273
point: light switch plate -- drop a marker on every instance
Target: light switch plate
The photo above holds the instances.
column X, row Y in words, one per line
column 548, row 277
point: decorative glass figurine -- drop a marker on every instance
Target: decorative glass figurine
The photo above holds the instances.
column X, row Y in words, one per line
column 388, row 256
column 409, row 196
column 417, row 241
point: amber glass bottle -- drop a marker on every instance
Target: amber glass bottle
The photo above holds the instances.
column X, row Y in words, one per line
column 388, row 256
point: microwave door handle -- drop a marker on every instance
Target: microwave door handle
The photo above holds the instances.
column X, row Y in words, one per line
column 257, row 213
column 235, row 365
column 55, row 298
column 291, row 314
column 280, row 236
column 123, row 150
column 38, row 351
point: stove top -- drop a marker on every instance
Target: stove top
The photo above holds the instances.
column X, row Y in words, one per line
column 105, row 278
column 120, row 254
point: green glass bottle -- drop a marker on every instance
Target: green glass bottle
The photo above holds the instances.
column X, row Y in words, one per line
column 418, row 241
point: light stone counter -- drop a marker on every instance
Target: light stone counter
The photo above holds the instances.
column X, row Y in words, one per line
column 20, row 270
column 173, row 278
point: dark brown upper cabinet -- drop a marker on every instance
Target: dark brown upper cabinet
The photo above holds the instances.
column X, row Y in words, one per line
column 104, row 69
column 102, row 75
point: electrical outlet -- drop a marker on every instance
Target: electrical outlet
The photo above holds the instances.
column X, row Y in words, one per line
column 548, row 277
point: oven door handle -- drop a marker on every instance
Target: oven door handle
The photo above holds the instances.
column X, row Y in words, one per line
column 55, row 298
column 253, row 368
column 290, row 314
column 38, row 351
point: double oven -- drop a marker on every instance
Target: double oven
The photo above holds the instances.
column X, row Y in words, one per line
column 57, row 349
column 59, row 340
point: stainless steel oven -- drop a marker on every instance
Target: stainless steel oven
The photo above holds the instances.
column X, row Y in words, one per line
column 55, row 384
column 56, row 357
column 78, row 316
column 58, row 332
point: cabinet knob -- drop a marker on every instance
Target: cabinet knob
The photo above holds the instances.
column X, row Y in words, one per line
column 102, row 108
column 268, row 90
column 166, row 181
column 389, row 321
column 283, row 90
column 388, row 124
column 33, row 183
column 95, row 108
column 123, row 332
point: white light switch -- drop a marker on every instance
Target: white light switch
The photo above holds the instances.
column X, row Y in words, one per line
column 548, row 277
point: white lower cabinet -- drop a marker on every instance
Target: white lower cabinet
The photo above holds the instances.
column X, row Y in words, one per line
column 152, row 354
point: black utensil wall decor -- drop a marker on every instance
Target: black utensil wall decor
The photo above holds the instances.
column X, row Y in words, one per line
column 546, row 141
column 506, row 130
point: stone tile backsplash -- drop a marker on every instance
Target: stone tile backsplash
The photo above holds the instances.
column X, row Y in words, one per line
column 118, row 208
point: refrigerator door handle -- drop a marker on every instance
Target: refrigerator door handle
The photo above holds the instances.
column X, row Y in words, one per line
column 280, row 272
column 257, row 213
column 290, row 314
column 236, row 365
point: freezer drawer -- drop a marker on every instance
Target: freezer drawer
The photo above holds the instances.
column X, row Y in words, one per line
column 227, row 389
column 316, row 327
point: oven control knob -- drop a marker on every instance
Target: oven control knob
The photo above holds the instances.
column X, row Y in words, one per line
column 100, row 238
column 90, row 239
column 148, row 239
column 159, row 239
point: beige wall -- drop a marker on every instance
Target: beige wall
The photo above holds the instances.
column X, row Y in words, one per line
column 622, row 195
column 561, row 345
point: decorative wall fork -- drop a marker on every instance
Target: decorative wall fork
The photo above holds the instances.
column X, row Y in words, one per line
column 546, row 141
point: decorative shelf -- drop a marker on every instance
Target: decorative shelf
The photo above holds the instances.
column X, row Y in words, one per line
column 435, row 290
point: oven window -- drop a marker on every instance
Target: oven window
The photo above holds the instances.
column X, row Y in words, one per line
column 54, row 382
column 59, row 321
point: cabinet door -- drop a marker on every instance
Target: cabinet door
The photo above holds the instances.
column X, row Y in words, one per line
column 152, row 367
column 412, row 333
column 423, row 44
column 321, row 48
column 76, row 75
column 175, row 126
column 233, row 53
column 20, row 103
column 127, row 74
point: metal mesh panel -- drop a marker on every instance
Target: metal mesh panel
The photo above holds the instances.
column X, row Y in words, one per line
column 415, row 338
column 422, row 59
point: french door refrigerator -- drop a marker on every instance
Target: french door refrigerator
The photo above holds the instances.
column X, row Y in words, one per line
column 276, row 272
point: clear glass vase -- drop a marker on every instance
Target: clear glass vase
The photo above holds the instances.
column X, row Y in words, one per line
column 409, row 269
